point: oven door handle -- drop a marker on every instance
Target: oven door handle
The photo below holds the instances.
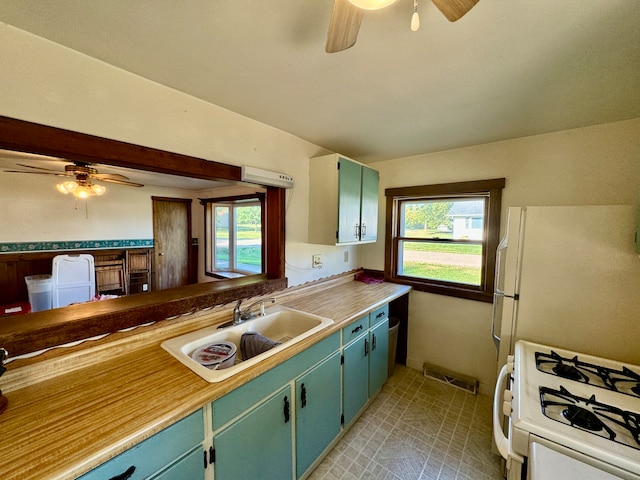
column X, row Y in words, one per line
column 502, row 442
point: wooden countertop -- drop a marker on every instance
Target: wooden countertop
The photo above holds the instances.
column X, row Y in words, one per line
column 76, row 408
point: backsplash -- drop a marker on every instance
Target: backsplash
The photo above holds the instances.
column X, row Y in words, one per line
column 18, row 247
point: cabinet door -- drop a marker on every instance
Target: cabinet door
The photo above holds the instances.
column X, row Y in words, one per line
column 317, row 411
column 259, row 445
column 378, row 359
column 369, row 210
column 156, row 452
column 355, row 372
column 190, row 467
column 349, row 190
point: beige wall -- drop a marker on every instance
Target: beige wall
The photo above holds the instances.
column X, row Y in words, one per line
column 53, row 85
column 594, row 165
column 46, row 83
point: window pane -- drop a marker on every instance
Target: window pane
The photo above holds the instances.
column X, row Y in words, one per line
column 451, row 262
column 426, row 219
column 221, row 238
column 248, row 238
column 445, row 220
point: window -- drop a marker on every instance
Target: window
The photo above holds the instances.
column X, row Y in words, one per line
column 235, row 236
column 443, row 238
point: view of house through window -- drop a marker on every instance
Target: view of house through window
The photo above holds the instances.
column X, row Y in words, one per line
column 234, row 236
column 442, row 239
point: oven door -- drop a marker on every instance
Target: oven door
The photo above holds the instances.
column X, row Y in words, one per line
column 549, row 461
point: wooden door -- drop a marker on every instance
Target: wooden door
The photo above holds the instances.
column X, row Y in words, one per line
column 172, row 240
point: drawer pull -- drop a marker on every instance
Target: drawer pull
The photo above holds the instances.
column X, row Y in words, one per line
column 286, row 409
column 381, row 314
column 303, row 395
column 126, row 474
column 357, row 329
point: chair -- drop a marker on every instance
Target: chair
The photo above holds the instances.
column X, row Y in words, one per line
column 73, row 279
column 110, row 275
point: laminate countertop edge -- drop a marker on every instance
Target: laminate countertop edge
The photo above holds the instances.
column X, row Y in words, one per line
column 63, row 426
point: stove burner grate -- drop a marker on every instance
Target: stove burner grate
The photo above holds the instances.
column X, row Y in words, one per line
column 624, row 381
column 591, row 416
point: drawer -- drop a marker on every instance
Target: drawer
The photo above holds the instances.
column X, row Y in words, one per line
column 154, row 453
column 191, row 467
column 379, row 315
column 355, row 329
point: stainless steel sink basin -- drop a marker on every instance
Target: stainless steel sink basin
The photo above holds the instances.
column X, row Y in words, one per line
column 280, row 323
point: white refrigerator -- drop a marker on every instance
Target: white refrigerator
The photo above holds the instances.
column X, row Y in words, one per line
column 569, row 277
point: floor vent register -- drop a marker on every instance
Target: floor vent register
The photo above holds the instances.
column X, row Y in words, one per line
column 468, row 384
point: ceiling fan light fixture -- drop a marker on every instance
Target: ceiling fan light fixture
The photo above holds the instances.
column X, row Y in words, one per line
column 415, row 19
column 371, row 4
column 82, row 189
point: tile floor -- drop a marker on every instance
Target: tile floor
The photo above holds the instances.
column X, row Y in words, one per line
column 416, row 429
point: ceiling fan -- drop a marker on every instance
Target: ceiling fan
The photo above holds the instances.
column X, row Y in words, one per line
column 81, row 175
column 346, row 18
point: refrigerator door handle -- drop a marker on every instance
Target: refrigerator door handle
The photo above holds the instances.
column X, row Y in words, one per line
column 497, row 297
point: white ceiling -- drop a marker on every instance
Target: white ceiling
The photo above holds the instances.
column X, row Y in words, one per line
column 509, row 68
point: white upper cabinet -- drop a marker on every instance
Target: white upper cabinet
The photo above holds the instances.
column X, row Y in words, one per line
column 343, row 201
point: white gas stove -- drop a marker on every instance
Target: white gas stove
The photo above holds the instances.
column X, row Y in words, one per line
column 585, row 408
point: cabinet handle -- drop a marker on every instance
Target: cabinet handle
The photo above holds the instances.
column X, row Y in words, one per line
column 373, row 342
column 303, row 395
column 356, row 231
column 286, row 409
column 366, row 347
column 357, row 329
column 126, row 474
column 363, row 230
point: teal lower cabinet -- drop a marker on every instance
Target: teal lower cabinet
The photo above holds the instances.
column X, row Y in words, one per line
column 378, row 358
column 191, row 466
column 355, row 383
column 365, row 366
column 259, row 444
column 317, row 411
column 173, row 453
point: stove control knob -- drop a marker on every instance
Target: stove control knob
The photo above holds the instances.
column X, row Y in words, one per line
column 508, row 395
column 506, row 409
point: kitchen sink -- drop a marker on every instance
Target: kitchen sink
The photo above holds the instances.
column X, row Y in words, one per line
column 281, row 324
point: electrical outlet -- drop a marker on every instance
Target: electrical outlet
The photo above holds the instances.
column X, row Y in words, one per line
column 346, row 255
column 316, row 261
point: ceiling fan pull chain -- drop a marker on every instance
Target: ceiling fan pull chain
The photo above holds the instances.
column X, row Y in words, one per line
column 415, row 19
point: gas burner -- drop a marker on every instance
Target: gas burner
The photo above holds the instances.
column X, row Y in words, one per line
column 622, row 381
column 591, row 416
column 582, row 418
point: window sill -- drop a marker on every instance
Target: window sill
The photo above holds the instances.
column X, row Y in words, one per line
column 449, row 290
column 226, row 275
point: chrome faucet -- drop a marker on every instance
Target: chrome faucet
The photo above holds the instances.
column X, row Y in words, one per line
column 240, row 316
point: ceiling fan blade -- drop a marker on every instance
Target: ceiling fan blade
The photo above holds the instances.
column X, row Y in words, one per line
column 344, row 26
column 39, row 168
column 454, row 9
column 52, row 172
column 109, row 176
column 119, row 182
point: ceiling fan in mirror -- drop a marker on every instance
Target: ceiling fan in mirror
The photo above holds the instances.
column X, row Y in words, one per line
column 346, row 18
column 81, row 177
